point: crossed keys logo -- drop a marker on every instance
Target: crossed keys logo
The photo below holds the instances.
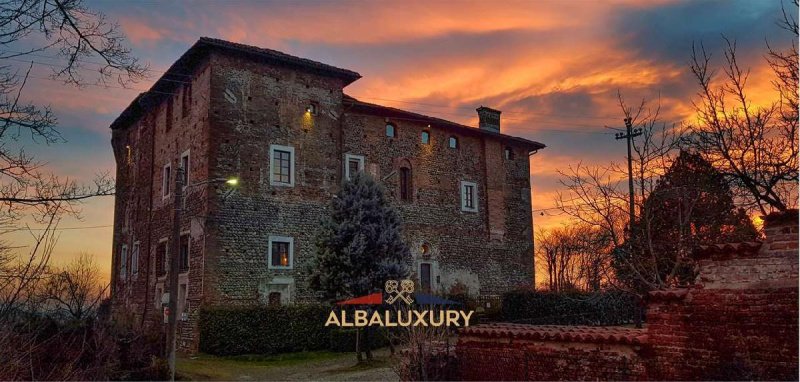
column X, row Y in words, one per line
column 404, row 293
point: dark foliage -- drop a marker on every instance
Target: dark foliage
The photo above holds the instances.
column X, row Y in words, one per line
column 264, row 330
column 360, row 245
column 691, row 204
column 568, row 308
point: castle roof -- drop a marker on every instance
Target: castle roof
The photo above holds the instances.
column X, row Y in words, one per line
column 176, row 75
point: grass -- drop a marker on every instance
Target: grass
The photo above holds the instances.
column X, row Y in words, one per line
column 302, row 366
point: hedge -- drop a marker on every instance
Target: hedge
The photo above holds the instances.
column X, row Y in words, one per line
column 264, row 330
column 570, row 308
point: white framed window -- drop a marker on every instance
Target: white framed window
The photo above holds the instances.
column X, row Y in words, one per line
column 352, row 165
column 469, row 197
column 281, row 166
column 135, row 259
column 166, row 175
column 123, row 262
column 185, row 166
column 280, row 254
column 185, row 247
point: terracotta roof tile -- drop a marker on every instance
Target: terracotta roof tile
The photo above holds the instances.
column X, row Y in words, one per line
column 593, row 334
column 744, row 248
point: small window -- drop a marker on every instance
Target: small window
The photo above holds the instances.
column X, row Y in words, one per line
column 281, row 251
column 405, row 183
column 282, row 173
column 469, row 197
column 311, row 109
column 128, row 155
column 165, row 180
column 425, row 279
column 508, row 153
column 425, row 137
column 185, row 167
column 186, row 104
column 452, row 143
column 185, row 247
column 390, row 130
column 353, row 165
column 169, row 114
column 135, row 259
column 123, row 262
column 161, row 258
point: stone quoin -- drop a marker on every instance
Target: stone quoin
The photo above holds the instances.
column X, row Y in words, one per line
column 283, row 127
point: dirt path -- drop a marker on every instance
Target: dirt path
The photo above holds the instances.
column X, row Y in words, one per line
column 316, row 366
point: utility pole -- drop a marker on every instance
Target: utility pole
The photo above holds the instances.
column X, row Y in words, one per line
column 174, row 270
column 629, row 134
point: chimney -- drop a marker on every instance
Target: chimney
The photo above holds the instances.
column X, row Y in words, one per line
column 488, row 119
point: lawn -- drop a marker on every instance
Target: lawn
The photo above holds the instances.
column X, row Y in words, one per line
column 288, row 367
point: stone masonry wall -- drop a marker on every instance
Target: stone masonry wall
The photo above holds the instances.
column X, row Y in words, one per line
column 144, row 214
column 461, row 246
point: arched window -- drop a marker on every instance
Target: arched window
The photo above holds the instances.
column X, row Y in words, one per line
column 425, row 137
column 453, row 143
column 390, row 130
column 405, row 183
column 508, row 153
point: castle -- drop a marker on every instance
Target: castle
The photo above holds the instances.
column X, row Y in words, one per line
column 283, row 127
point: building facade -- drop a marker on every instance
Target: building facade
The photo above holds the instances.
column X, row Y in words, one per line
column 284, row 128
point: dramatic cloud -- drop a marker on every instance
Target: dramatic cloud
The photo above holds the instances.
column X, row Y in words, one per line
column 554, row 68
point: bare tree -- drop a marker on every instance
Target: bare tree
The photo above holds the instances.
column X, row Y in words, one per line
column 74, row 291
column 597, row 196
column 754, row 147
column 575, row 257
column 69, row 36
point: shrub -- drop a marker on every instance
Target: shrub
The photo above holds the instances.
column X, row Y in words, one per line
column 264, row 330
column 568, row 308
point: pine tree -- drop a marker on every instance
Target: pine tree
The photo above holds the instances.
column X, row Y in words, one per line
column 360, row 244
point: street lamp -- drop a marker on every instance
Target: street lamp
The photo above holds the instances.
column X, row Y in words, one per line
column 174, row 265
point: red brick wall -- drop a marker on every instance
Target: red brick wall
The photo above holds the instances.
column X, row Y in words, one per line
column 739, row 322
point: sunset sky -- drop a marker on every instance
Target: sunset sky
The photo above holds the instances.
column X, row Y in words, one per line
column 552, row 67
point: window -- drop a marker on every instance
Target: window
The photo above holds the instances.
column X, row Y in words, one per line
column 469, row 197
column 452, row 143
column 405, row 183
column 135, row 259
column 282, row 173
column 508, row 153
column 165, row 178
column 185, row 167
column 186, row 104
column 390, row 130
column 123, row 262
column 169, row 114
column 311, row 109
column 425, row 137
column 128, row 155
column 281, row 252
column 161, row 259
column 185, row 241
column 353, row 164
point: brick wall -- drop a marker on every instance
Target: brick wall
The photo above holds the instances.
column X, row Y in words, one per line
column 739, row 322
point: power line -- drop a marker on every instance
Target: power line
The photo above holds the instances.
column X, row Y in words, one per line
column 56, row 229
